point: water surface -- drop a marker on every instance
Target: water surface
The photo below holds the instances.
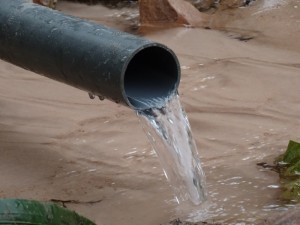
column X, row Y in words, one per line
column 243, row 105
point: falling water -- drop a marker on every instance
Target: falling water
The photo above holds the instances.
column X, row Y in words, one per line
column 169, row 132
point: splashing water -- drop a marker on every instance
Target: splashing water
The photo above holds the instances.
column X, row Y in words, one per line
column 169, row 132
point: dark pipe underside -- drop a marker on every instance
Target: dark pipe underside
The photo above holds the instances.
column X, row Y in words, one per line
column 108, row 63
column 148, row 77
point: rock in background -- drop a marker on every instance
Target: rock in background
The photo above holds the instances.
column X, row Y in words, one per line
column 171, row 13
column 230, row 4
column 48, row 3
column 108, row 3
column 203, row 5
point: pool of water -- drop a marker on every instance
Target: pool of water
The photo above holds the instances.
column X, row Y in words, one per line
column 243, row 105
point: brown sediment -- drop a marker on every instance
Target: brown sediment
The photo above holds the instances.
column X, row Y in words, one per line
column 241, row 98
column 179, row 222
column 65, row 202
column 290, row 217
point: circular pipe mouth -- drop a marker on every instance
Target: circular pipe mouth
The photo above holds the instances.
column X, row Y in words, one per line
column 151, row 77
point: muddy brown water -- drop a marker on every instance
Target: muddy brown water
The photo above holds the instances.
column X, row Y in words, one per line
column 242, row 99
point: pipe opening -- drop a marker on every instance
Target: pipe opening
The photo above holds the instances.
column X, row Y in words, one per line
column 151, row 77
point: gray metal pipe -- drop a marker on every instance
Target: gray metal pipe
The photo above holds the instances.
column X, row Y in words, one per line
column 107, row 63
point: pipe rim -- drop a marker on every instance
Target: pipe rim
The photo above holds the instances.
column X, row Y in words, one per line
column 170, row 90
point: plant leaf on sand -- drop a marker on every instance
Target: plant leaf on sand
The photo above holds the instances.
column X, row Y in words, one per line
column 19, row 211
column 292, row 154
column 288, row 166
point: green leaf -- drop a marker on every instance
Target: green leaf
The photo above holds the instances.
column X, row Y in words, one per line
column 19, row 211
column 288, row 166
column 292, row 190
column 292, row 154
column 293, row 170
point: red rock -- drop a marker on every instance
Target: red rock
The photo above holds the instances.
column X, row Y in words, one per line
column 48, row 3
column 171, row 12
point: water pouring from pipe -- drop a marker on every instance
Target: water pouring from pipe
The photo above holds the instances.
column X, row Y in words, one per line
column 107, row 63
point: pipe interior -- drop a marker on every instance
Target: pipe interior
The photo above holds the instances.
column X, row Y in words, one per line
column 151, row 77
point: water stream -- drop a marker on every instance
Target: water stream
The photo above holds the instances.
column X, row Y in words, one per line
column 170, row 135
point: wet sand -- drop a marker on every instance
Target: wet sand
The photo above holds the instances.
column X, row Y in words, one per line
column 241, row 96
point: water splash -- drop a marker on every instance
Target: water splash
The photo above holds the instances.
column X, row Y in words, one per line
column 169, row 132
